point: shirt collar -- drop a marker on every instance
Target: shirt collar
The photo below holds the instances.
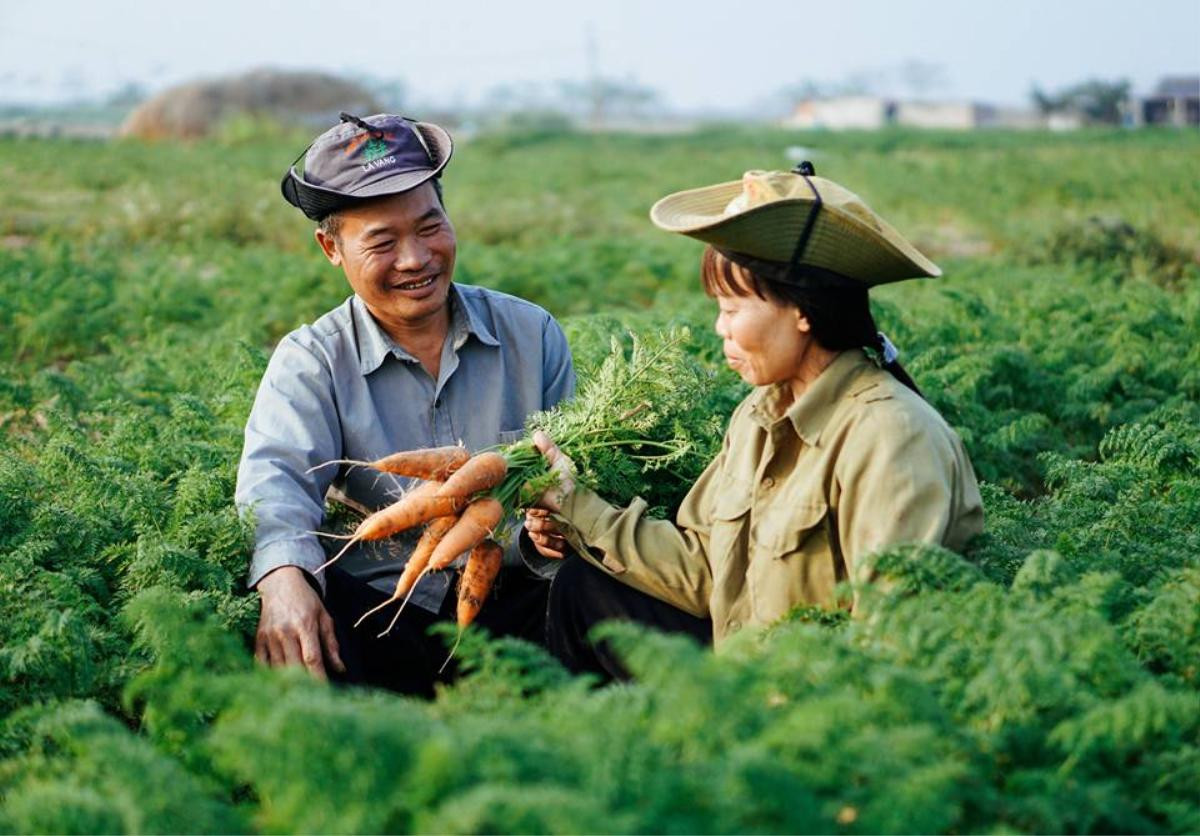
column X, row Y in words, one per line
column 474, row 320
column 812, row 411
column 375, row 344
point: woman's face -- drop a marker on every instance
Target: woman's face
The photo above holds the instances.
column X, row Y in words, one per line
column 764, row 340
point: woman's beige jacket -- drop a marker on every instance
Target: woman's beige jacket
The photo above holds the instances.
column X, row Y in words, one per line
column 794, row 502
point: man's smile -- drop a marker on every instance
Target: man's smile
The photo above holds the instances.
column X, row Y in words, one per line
column 416, row 284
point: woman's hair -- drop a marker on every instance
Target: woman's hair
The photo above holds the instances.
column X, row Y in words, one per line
column 840, row 317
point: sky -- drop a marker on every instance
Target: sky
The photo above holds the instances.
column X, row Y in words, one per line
column 699, row 56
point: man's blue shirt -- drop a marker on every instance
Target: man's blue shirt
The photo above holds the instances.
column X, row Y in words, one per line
column 341, row 388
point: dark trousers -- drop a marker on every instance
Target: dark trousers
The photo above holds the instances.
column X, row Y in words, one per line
column 582, row 596
column 408, row 660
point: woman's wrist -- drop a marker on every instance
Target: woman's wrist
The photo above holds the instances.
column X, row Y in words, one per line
column 559, row 494
column 554, row 497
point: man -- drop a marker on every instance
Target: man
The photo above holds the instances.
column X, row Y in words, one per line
column 411, row 360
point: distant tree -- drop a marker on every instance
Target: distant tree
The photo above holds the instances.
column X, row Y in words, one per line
column 1097, row 100
column 808, row 89
column 606, row 98
column 594, row 102
column 921, row 77
column 129, row 95
column 515, row 96
column 855, row 84
column 391, row 93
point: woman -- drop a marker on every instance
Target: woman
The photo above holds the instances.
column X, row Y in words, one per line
column 833, row 455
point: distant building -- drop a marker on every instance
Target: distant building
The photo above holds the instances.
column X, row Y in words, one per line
column 1064, row 120
column 1017, row 118
column 944, row 115
column 874, row 112
column 843, row 113
column 1175, row 101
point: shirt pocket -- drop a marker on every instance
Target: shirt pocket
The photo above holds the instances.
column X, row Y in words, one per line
column 729, row 534
column 509, row 436
column 731, row 503
column 793, row 561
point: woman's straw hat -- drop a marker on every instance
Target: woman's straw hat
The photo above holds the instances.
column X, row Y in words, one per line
column 764, row 215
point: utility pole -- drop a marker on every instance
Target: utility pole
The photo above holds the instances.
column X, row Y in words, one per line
column 594, row 84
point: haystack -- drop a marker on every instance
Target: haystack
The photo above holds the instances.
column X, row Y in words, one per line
column 195, row 109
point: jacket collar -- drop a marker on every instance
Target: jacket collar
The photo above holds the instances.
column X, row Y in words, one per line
column 813, row 410
column 374, row 344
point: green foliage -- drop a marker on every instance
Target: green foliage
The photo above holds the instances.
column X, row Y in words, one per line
column 1060, row 706
column 1122, row 514
column 1048, row 682
column 1165, row 632
column 81, row 771
column 1114, row 249
column 641, row 423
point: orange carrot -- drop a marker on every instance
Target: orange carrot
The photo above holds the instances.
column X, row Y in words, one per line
column 482, row 567
column 411, row 510
column 480, row 572
column 433, row 535
column 477, row 522
column 482, row 471
column 429, row 488
column 430, row 463
column 415, row 567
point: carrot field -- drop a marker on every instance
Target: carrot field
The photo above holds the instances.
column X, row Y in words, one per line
column 1047, row 681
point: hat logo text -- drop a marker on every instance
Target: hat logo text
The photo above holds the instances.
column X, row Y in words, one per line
column 377, row 164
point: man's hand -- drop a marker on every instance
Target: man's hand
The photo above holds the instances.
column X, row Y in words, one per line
column 294, row 628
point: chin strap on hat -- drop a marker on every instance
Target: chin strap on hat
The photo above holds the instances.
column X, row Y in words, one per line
column 805, row 170
column 362, row 123
column 890, row 352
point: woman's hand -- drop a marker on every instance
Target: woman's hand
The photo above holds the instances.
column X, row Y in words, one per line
column 553, row 498
column 544, row 534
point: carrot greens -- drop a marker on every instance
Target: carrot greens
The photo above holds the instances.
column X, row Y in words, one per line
column 639, row 426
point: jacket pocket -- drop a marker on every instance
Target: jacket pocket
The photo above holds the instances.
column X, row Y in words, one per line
column 792, row 560
column 731, row 503
column 785, row 531
column 729, row 539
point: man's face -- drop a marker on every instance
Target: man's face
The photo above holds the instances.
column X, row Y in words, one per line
column 398, row 255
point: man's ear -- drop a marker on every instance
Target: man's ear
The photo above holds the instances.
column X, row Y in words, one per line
column 329, row 245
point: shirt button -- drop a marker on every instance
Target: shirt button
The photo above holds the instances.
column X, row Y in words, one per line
column 768, row 483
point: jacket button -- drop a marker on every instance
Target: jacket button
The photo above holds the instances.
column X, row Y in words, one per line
column 733, row 624
column 768, row 483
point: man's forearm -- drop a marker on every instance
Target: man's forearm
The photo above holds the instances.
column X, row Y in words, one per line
column 303, row 552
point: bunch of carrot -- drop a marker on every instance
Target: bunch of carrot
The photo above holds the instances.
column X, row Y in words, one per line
column 458, row 514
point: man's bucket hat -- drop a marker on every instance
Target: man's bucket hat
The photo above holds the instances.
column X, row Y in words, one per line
column 364, row 158
column 824, row 233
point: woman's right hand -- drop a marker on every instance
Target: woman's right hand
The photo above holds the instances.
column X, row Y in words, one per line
column 545, row 534
column 553, row 498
